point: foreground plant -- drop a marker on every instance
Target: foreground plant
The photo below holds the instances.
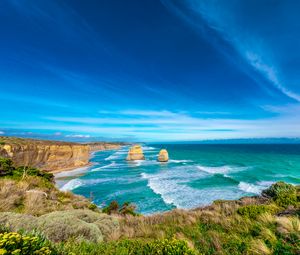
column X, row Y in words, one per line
column 18, row 244
column 131, row 247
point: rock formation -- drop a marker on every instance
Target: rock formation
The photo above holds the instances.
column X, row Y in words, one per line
column 49, row 155
column 135, row 153
column 163, row 156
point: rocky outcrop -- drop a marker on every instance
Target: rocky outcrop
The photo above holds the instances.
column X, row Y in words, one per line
column 163, row 156
column 49, row 155
column 135, row 153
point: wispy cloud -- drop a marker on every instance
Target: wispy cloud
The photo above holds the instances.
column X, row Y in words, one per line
column 143, row 113
column 150, row 125
column 221, row 16
column 56, row 15
column 2, row 132
column 78, row 136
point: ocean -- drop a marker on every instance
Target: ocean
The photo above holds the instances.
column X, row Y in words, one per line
column 196, row 174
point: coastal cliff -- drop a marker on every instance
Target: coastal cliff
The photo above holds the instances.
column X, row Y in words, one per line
column 49, row 155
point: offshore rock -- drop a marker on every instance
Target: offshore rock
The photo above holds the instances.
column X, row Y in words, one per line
column 163, row 156
column 135, row 153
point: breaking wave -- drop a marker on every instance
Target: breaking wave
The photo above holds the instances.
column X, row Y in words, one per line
column 71, row 185
column 221, row 169
column 173, row 187
column 180, row 161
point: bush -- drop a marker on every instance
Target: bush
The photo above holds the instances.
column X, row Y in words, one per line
column 6, row 167
column 92, row 207
column 252, row 211
column 168, row 247
column 31, row 171
column 131, row 247
column 62, row 225
column 113, row 207
column 282, row 193
column 126, row 209
column 16, row 243
column 8, row 170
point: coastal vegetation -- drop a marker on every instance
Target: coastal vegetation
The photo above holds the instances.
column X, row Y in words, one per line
column 126, row 209
column 36, row 216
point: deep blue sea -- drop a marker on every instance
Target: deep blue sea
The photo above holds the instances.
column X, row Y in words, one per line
column 196, row 174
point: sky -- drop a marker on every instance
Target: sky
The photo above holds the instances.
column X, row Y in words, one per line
column 151, row 70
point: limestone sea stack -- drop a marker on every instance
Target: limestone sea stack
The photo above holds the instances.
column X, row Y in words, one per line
column 163, row 156
column 135, row 153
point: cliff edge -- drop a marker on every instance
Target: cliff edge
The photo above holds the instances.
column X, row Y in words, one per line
column 50, row 155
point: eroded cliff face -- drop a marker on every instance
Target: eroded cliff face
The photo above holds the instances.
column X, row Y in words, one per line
column 50, row 155
column 103, row 146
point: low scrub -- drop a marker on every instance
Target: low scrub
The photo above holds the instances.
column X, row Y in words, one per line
column 252, row 211
column 132, row 247
column 63, row 225
column 282, row 193
column 7, row 169
column 126, row 209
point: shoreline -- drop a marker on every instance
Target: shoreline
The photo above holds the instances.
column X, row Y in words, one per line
column 70, row 169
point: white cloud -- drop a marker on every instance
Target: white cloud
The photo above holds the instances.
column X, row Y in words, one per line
column 2, row 132
column 78, row 136
column 142, row 113
column 181, row 126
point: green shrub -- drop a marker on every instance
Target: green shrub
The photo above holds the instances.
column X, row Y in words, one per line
column 126, row 209
column 252, row 211
column 286, row 248
column 113, row 207
column 8, row 170
column 92, row 207
column 31, row 171
column 282, row 193
column 19, row 244
column 6, row 166
column 168, row 247
column 131, row 247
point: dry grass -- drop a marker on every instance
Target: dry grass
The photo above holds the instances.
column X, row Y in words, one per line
column 259, row 247
column 11, row 195
column 288, row 225
column 36, row 197
column 266, row 218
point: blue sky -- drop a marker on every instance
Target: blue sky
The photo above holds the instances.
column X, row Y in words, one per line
column 150, row 70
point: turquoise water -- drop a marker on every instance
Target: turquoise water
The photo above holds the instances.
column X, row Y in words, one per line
column 195, row 176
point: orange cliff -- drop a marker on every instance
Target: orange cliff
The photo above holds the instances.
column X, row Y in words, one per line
column 50, row 156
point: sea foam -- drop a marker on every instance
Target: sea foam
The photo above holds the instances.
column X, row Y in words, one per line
column 221, row 169
column 71, row 185
column 249, row 188
column 180, row 161
column 173, row 187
